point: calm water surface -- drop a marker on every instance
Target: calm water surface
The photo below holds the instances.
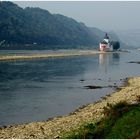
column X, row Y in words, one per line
column 35, row 90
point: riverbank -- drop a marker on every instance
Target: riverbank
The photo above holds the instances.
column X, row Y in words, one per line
column 50, row 55
column 55, row 127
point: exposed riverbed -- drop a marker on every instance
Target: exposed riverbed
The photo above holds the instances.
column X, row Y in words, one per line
column 57, row 126
column 39, row 89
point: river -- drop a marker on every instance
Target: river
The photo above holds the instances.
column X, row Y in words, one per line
column 39, row 89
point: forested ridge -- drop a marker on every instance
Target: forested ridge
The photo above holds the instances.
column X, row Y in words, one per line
column 37, row 26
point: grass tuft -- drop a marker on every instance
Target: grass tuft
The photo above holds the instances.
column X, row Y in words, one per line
column 120, row 121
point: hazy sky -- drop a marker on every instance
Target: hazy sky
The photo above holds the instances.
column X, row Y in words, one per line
column 109, row 15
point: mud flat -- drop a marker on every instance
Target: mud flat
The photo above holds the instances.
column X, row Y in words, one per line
column 50, row 55
column 55, row 127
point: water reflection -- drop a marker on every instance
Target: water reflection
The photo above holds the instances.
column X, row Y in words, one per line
column 116, row 57
column 39, row 89
column 108, row 59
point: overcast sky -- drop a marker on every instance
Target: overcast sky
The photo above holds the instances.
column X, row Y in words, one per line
column 105, row 15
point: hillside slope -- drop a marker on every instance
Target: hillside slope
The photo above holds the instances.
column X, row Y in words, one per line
column 29, row 26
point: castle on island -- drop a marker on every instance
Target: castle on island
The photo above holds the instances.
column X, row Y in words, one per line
column 107, row 45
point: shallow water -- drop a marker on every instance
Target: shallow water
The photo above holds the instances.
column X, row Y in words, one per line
column 35, row 90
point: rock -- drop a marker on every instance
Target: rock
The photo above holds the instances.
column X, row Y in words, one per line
column 82, row 80
column 93, row 87
column 137, row 62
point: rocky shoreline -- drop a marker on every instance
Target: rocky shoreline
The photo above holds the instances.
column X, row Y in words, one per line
column 55, row 127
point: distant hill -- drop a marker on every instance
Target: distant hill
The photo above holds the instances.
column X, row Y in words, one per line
column 31, row 26
column 131, row 37
column 112, row 35
column 115, row 37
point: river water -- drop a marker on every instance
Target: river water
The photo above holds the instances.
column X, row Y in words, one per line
column 35, row 90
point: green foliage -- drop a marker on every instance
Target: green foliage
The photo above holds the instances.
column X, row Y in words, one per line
column 29, row 25
column 128, row 126
column 121, row 121
column 116, row 45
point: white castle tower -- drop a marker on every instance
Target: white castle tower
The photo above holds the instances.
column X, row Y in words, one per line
column 105, row 44
column 106, row 38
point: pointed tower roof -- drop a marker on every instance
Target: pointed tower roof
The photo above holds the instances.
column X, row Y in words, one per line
column 106, row 36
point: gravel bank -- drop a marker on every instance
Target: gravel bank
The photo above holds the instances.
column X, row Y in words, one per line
column 47, row 55
column 92, row 112
column 51, row 55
